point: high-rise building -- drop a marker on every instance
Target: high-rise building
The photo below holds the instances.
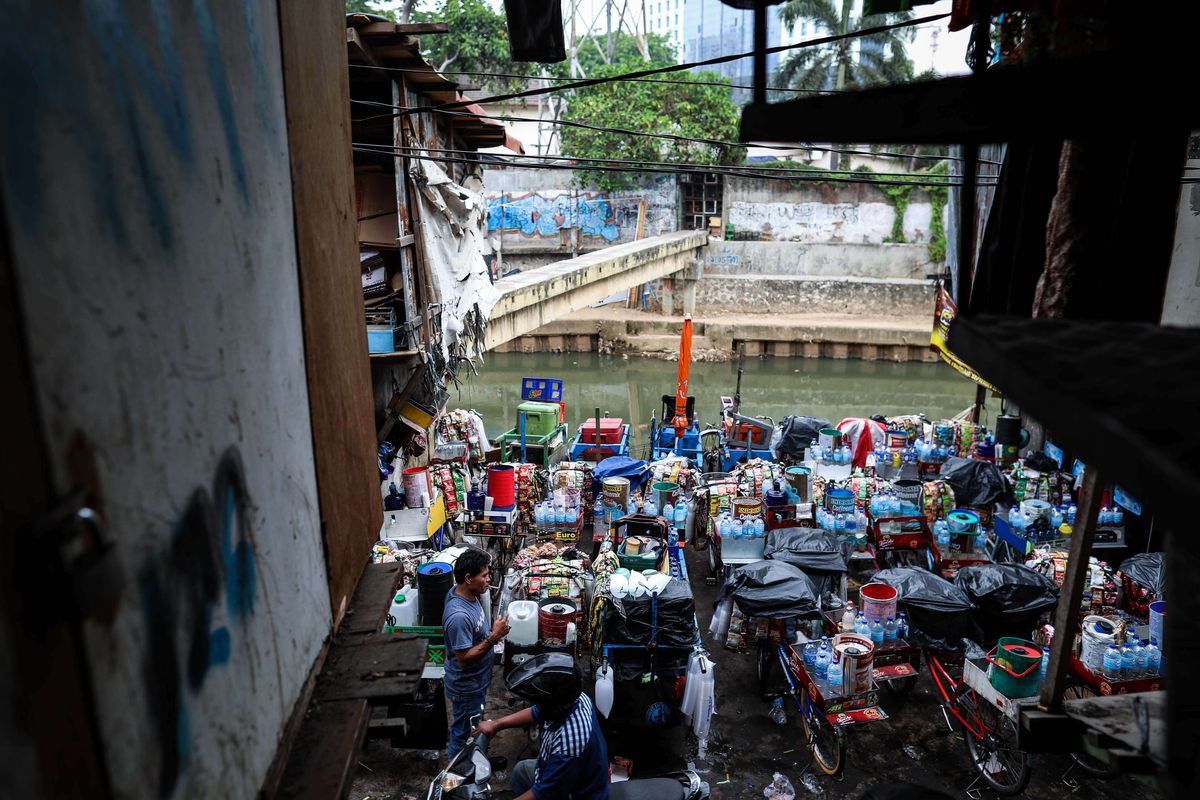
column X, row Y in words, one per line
column 711, row 29
column 665, row 17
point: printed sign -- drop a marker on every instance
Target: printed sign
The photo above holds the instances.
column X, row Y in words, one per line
column 1122, row 498
column 943, row 317
column 1053, row 451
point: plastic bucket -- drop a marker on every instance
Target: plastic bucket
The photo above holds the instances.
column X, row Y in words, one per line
column 747, row 507
column 416, row 486
column 856, row 655
column 554, row 614
column 665, row 492
column 878, row 601
column 909, row 491
column 616, row 492
column 840, row 501
column 1158, row 618
column 829, row 438
column 501, row 486
column 1098, row 634
column 961, row 520
column 1032, row 509
column 1013, row 669
column 434, row 580
column 799, row 479
column 897, row 438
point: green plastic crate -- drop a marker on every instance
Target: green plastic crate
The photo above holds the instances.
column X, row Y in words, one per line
column 540, row 418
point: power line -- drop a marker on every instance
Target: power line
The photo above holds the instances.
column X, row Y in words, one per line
column 675, row 137
column 666, row 168
column 644, row 73
column 593, row 160
column 624, row 80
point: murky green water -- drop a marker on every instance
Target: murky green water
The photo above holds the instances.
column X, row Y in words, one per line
column 772, row 387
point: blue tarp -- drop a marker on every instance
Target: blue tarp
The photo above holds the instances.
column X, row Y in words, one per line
column 634, row 469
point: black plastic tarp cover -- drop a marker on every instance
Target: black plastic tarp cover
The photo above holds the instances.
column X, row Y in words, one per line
column 629, row 620
column 975, row 482
column 939, row 613
column 772, row 589
column 793, row 434
column 1147, row 570
column 1007, row 588
column 818, row 553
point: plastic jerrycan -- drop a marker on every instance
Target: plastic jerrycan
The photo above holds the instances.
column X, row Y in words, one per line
column 523, row 622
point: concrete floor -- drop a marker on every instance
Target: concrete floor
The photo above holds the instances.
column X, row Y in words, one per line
column 746, row 748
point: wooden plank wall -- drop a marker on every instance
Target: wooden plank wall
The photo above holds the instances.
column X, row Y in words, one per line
column 316, row 85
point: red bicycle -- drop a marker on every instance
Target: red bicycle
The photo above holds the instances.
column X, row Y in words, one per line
column 987, row 718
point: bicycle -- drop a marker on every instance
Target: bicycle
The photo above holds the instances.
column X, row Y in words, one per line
column 988, row 718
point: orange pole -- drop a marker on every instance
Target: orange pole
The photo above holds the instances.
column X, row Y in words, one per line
column 681, row 385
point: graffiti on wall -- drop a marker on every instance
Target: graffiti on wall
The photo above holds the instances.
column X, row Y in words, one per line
column 196, row 592
column 858, row 223
column 537, row 214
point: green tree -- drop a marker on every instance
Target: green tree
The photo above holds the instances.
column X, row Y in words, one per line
column 686, row 111
column 368, row 7
column 870, row 60
column 477, row 42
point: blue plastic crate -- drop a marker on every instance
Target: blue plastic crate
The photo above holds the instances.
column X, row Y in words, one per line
column 380, row 339
column 547, row 390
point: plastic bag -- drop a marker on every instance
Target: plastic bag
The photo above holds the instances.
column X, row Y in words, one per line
column 793, row 434
column 632, row 620
column 816, row 552
column 771, row 589
column 634, row 469
column 975, row 483
column 1148, row 570
column 939, row 613
column 780, row 789
column 1009, row 598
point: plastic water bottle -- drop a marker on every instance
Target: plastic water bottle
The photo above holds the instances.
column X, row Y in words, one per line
column 1118, row 516
column 943, row 532
column 1112, row 663
column 902, row 626
column 1016, row 519
column 1045, row 662
column 851, row 525
column 810, row 654
column 1128, row 663
column 860, row 625
column 1142, row 659
column 848, row 619
column 651, row 508
column 1071, row 512
column 822, row 664
column 572, row 516
column 889, row 630
column 539, row 515
column 1153, row 659
column 877, row 632
column 760, row 527
column 833, row 674
column 680, row 517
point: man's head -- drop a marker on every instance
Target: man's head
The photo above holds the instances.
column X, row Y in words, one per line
column 472, row 571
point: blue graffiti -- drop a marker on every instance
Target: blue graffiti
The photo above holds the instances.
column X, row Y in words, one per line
column 210, row 564
column 534, row 215
column 143, row 85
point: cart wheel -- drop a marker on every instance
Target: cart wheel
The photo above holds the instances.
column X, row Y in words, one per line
column 1085, row 762
column 826, row 742
column 1000, row 763
column 901, row 687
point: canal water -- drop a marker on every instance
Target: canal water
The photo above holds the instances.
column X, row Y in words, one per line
column 771, row 387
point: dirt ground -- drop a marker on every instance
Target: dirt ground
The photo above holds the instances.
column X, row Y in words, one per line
column 746, row 748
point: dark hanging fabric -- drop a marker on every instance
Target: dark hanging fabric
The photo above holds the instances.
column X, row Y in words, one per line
column 1013, row 249
column 1111, row 227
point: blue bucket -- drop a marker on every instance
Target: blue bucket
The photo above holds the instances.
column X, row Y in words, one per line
column 840, row 501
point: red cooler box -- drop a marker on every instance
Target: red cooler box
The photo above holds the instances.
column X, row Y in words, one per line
column 610, row 430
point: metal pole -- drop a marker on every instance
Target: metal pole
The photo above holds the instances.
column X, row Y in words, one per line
column 1067, row 613
column 523, row 461
column 760, row 51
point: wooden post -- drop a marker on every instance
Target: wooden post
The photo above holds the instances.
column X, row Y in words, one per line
column 634, row 298
column 980, row 397
column 1067, row 613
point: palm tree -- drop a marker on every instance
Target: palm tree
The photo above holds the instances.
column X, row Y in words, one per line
column 870, row 60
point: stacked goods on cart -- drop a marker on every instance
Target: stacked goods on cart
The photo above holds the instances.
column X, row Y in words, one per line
column 1009, row 599
column 817, row 553
column 756, row 476
column 560, row 586
column 677, row 470
column 757, row 593
column 460, row 425
column 576, row 477
column 453, row 482
column 938, row 612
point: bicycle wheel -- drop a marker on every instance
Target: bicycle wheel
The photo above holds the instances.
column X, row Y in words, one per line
column 1087, row 763
column 1000, row 764
column 900, row 687
column 826, row 742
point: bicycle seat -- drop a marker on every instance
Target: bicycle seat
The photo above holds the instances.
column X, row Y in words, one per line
column 648, row 789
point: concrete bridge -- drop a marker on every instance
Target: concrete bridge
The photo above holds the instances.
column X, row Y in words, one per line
column 536, row 297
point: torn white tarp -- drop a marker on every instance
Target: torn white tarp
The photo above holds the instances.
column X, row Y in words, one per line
column 454, row 233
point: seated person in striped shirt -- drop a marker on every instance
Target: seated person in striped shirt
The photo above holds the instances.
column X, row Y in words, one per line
column 573, row 760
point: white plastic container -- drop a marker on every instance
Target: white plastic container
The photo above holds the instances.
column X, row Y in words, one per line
column 604, row 689
column 404, row 608
column 523, row 623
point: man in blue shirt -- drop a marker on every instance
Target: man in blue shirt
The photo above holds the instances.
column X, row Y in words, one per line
column 469, row 645
column 572, row 762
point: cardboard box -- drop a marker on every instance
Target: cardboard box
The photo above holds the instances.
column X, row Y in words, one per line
column 375, row 203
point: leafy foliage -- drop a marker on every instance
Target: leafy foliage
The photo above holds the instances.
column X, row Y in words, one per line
column 869, row 60
column 689, row 111
column 477, row 42
column 368, row 7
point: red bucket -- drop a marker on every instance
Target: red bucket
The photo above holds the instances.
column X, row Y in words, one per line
column 878, row 601
column 554, row 614
column 501, row 485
